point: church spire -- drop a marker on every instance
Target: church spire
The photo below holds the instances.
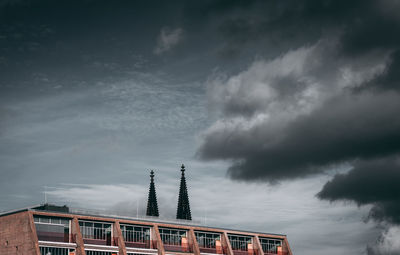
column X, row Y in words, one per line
column 183, row 211
column 152, row 207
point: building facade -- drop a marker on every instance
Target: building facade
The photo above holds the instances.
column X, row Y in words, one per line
column 47, row 230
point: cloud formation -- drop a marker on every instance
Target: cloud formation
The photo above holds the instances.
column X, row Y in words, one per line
column 330, row 98
column 387, row 244
column 296, row 114
column 373, row 182
column 168, row 39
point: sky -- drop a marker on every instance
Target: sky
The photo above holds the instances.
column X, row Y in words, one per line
column 285, row 113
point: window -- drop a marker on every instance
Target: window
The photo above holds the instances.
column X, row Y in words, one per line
column 172, row 236
column 136, row 234
column 239, row 243
column 95, row 230
column 206, row 239
column 270, row 246
column 175, row 240
column 52, row 229
column 98, row 233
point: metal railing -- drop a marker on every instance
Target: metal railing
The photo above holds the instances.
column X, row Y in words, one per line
column 113, row 214
column 136, row 236
column 239, row 245
column 100, row 253
column 270, row 246
column 206, row 242
column 54, row 251
column 171, row 239
column 95, row 233
column 173, row 243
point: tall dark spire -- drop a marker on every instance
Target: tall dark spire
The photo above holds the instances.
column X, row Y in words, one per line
column 152, row 207
column 183, row 211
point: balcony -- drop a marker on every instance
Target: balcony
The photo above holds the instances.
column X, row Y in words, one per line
column 175, row 240
column 52, row 229
column 136, row 236
column 96, row 233
column 242, row 245
column 209, row 242
column 272, row 246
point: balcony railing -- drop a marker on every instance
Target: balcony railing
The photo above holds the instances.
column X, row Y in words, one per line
column 136, row 239
column 96, row 235
column 209, row 245
column 271, row 246
column 175, row 243
column 55, row 250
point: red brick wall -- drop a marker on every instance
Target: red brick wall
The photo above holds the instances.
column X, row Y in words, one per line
column 18, row 235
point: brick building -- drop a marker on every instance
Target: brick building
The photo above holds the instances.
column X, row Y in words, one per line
column 59, row 230
column 52, row 230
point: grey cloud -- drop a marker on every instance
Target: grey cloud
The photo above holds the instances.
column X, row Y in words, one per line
column 344, row 128
column 210, row 198
column 387, row 244
column 295, row 114
column 374, row 182
column 168, row 39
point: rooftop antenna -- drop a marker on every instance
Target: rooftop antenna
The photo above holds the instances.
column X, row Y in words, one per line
column 137, row 208
column 205, row 216
column 45, row 194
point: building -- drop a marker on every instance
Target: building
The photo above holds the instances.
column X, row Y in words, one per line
column 52, row 230
column 58, row 230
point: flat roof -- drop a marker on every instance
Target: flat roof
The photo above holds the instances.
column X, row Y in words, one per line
column 149, row 219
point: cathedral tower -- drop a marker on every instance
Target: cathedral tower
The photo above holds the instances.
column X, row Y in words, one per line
column 183, row 210
column 152, row 207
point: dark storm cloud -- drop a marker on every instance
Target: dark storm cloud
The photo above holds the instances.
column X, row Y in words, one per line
column 391, row 79
column 283, row 24
column 374, row 182
column 344, row 128
column 328, row 97
column 94, row 87
column 344, row 117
